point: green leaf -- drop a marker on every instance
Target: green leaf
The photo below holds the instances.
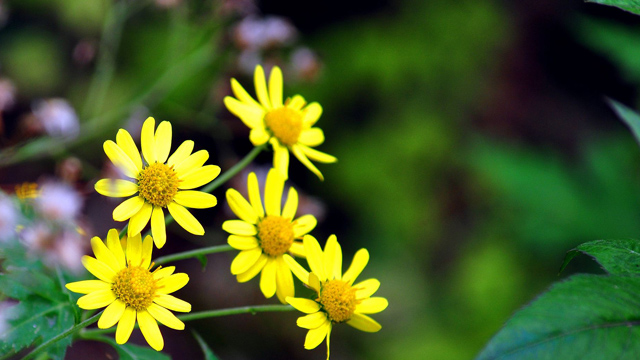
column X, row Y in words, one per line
column 203, row 261
column 617, row 257
column 632, row 6
column 20, row 283
column 208, row 354
column 630, row 117
column 135, row 352
column 585, row 317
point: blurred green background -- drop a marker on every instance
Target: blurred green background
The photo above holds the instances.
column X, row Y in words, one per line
column 475, row 146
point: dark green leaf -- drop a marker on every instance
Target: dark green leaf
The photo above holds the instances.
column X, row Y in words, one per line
column 585, row 317
column 629, row 116
column 628, row 5
column 617, row 257
column 20, row 283
column 135, row 352
column 203, row 260
column 208, row 354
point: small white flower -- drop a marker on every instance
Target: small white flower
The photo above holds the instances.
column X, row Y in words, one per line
column 57, row 117
column 58, row 202
column 9, row 217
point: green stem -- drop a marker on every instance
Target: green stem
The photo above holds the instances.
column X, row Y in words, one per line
column 193, row 253
column 91, row 333
column 61, row 336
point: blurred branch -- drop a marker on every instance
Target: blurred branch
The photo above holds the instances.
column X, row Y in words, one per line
column 192, row 254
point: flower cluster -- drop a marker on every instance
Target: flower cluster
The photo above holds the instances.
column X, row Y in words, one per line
column 267, row 233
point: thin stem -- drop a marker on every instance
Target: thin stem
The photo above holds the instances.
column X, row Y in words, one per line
column 193, row 253
column 61, row 336
column 92, row 333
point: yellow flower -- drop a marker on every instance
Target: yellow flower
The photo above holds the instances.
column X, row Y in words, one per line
column 129, row 290
column 163, row 181
column 338, row 299
column 286, row 126
column 265, row 235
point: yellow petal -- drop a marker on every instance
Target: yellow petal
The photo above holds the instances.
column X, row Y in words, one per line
column 291, row 206
column 158, row 229
column 147, row 249
column 314, row 256
column 297, row 249
column 305, row 305
column 372, row 305
column 172, row 283
column 185, row 219
column 88, row 286
column 280, row 158
column 125, row 325
column 116, row 187
column 181, row 154
column 126, row 143
column 261, row 87
column 300, row 155
column 163, row 141
column 243, row 242
column 297, row 269
column 239, row 227
column 195, row 199
column 99, row 269
column 241, row 207
column 112, row 314
column 244, row 260
column 273, row 193
column 134, row 250
column 128, row 208
column 316, row 155
column 253, row 270
column 333, row 258
column 311, row 114
column 268, row 278
column 360, row 260
column 314, row 282
column 315, row 336
column 258, row 136
column 242, row 94
column 160, row 273
column 297, row 102
column 114, row 245
column 366, row 288
column 148, row 141
column 165, row 317
column 140, row 219
column 150, row 330
column 275, row 87
column 311, row 137
column 312, row 321
column 364, row 323
column 303, row 225
column 194, row 161
column 198, row 177
column 284, row 280
column 172, row 303
column 120, row 159
column 97, row 299
column 254, row 194
column 103, row 254
column 250, row 115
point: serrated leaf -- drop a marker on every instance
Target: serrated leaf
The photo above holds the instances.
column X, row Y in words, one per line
column 628, row 116
column 617, row 257
column 135, row 352
column 20, row 283
column 585, row 317
column 632, row 6
column 208, row 353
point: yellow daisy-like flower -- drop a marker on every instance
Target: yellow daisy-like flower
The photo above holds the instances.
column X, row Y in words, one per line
column 162, row 181
column 265, row 235
column 286, row 126
column 339, row 300
column 129, row 289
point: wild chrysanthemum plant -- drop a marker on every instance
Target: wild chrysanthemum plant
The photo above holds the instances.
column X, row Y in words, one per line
column 265, row 235
column 338, row 300
column 161, row 181
column 287, row 126
column 129, row 289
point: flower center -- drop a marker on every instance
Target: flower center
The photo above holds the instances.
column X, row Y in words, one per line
column 338, row 299
column 275, row 234
column 285, row 124
column 158, row 184
column 135, row 286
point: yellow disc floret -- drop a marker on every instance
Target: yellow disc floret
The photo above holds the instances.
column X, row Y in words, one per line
column 158, row 184
column 338, row 299
column 135, row 287
column 285, row 124
column 275, row 234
